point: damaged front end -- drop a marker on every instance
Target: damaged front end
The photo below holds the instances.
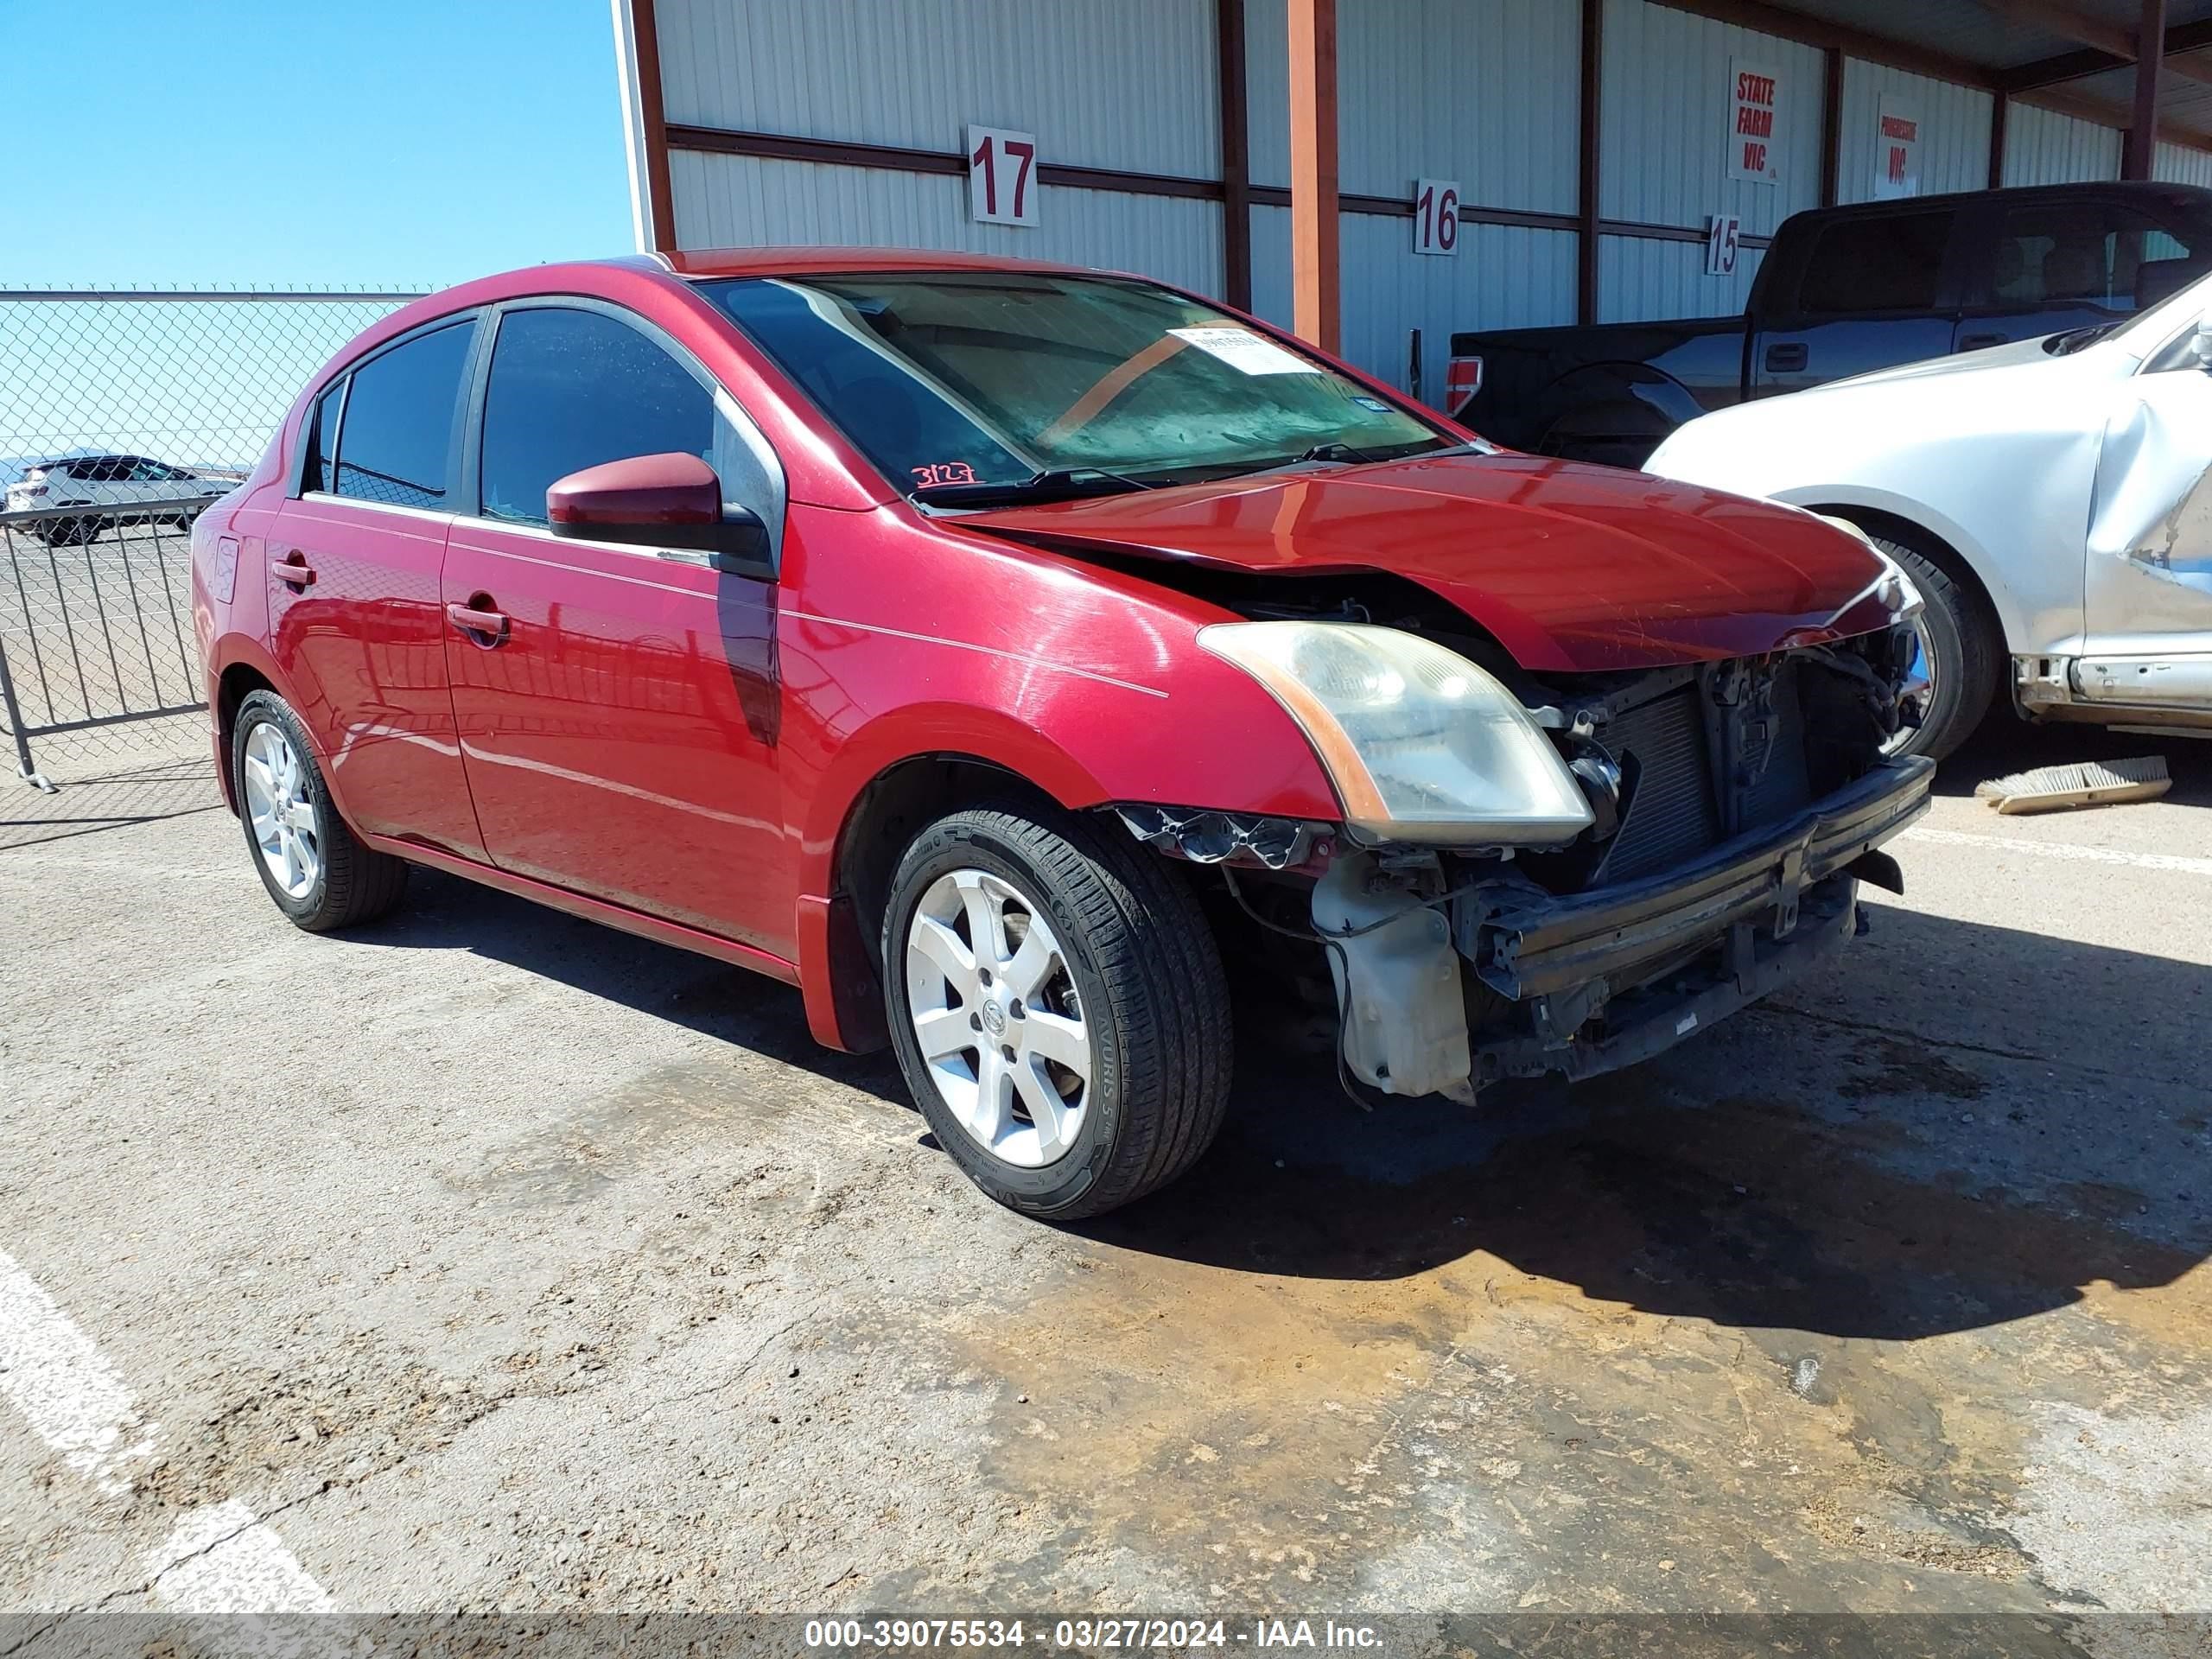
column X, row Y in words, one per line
column 1692, row 840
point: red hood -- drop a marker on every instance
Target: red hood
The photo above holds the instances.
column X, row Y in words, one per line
column 1569, row 567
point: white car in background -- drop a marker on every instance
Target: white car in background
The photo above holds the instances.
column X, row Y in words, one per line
column 112, row 485
column 2048, row 498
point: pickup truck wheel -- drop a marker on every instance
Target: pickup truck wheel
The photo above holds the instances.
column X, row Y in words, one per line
column 1058, row 1010
column 1960, row 654
column 314, row 869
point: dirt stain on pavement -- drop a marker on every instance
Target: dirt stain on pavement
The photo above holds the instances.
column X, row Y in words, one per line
column 1716, row 1357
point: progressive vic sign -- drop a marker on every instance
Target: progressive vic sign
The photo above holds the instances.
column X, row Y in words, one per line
column 1754, row 97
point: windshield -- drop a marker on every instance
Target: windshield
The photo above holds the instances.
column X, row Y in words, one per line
column 962, row 379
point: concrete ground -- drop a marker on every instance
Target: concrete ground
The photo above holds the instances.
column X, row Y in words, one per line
column 488, row 1260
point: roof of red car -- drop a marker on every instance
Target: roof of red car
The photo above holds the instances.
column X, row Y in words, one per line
column 756, row 262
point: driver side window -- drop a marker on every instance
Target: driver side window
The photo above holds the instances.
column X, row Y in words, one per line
column 570, row 389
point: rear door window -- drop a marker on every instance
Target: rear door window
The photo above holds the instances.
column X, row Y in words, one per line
column 1883, row 263
column 570, row 389
column 2097, row 253
column 397, row 437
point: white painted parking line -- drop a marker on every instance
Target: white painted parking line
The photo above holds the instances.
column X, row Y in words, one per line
column 223, row 1559
column 2065, row 849
column 52, row 1373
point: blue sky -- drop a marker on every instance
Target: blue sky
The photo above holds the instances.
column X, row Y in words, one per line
column 381, row 142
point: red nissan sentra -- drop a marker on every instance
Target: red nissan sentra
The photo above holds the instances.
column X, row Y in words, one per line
column 1013, row 657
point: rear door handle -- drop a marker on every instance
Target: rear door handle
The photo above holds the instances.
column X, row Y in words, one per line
column 1788, row 359
column 293, row 568
column 1975, row 342
column 483, row 626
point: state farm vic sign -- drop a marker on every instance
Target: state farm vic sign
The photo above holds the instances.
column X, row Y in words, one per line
column 1754, row 131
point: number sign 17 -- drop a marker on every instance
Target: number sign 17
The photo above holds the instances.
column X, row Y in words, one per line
column 1436, row 216
column 1001, row 176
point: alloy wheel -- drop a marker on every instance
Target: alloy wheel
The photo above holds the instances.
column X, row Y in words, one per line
column 995, row 1012
column 1917, row 691
column 285, row 827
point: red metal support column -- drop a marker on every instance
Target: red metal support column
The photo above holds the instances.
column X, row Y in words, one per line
column 1314, row 272
column 660, row 195
column 2001, row 107
column 2150, row 55
column 1831, row 125
column 1235, row 155
column 1588, row 179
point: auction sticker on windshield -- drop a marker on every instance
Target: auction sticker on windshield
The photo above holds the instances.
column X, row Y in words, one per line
column 1243, row 350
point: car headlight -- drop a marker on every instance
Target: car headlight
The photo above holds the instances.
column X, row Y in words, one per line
column 1421, row 744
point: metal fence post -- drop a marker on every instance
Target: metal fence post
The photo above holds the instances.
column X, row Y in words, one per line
column 24, row 768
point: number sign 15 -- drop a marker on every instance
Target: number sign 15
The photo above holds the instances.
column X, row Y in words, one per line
column 1723, row 234
column 1436, row 216
column 1001, row 176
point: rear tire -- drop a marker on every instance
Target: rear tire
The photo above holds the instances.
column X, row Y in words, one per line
column 1130, row 965
column 316, row 871
column 1965, row 652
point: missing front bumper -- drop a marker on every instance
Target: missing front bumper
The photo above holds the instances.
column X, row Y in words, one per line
column 1587, row 982
column 1604, row 979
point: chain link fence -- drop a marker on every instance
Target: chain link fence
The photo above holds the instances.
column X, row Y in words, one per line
column 123, row 413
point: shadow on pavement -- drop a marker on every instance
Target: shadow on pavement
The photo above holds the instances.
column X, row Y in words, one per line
column 86, row 804
column 1738, row 1204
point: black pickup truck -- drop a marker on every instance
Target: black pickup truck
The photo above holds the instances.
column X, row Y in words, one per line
column 1841, row 291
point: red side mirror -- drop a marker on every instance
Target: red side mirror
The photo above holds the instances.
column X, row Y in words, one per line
column 669, row 501
column 633, row 494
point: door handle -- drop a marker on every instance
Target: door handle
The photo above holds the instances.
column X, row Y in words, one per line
column 293, row 568
column 1788, row 359
column 483, row 626
column 1975, row 342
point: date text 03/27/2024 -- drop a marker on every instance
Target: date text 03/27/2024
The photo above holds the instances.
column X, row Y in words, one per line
column 1085, row 1635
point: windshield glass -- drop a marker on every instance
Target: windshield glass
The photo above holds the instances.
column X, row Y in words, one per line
column 983, row 378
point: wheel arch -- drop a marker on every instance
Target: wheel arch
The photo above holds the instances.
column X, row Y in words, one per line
column 865, row 814
column 1942, row 543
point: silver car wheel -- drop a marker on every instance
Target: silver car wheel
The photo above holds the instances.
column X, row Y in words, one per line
column 278, row 805
column 995, row 1013
column 1918, row 689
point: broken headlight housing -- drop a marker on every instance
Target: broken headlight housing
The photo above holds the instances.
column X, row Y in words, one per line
column 1421, row 744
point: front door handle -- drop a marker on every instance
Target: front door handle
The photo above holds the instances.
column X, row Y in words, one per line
column 483, row 626
column 293, row 568
column 1788, row 359
column 1975, row 342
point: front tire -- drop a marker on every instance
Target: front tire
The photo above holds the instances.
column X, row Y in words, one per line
column 316, row 871
column 1078, row 1059
column 1961, row 656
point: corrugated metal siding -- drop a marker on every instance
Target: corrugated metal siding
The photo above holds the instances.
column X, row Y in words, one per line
column 1662, row 139
column 1126, row 83
column 1479, row 91
column 743, row 201
column 1503, row 277
column 2044, row 147
column 1640, row 280
column 2176, row 164
column 1954, row 130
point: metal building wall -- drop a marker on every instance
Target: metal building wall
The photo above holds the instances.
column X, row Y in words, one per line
column 1662, row 142
column 1640, row 279
column 1478, row 91
column 1955, row 123
column 745, row 200
column 2178, row 164
column 2044, row 147
column 1103, row 83
column 1123, row 84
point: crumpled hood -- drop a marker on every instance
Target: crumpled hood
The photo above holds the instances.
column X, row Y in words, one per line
column 1571, row 568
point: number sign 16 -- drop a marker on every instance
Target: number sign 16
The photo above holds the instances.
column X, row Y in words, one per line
column 1436, row 216
column 1001, row 176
